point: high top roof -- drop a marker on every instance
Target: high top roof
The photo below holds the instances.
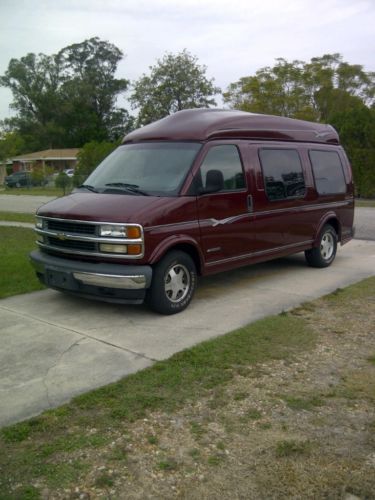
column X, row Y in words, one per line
column 208, row 124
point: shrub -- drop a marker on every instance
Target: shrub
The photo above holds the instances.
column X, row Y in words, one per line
column 63, row 182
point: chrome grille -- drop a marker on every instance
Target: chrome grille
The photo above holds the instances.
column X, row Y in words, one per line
column 78, row 237
column 70, row 227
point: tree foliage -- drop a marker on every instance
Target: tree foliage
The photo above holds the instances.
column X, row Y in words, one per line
column 11, row 144
column 67, row 99
column 63, row 182
column 176, row 82
column 357, row 133
column 297, row 89
column 89, row 158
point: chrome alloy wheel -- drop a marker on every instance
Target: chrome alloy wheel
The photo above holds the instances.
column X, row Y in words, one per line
column 177, row 283
column 327, row 246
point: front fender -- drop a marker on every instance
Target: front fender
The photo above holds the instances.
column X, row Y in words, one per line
column 175, row 241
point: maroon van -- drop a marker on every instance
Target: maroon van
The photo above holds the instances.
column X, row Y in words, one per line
column 196, row 193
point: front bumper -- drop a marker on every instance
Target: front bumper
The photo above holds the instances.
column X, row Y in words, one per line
column 126, row 284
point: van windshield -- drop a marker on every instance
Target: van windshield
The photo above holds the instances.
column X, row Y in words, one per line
column 153, row 168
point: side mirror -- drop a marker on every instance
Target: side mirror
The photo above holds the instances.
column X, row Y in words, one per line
column 209, row 189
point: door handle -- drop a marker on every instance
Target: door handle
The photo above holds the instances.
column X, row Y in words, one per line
column 250, row 203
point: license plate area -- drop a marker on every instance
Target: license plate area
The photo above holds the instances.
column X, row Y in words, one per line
column 60, row 279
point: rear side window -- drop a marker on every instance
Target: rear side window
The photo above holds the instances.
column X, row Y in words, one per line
column 282, row 173
column 328, row 172
column 222, row 168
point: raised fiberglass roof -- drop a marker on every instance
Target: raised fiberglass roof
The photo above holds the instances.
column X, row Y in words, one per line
column 209, row 124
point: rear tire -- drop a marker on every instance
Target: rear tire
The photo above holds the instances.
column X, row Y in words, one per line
column 324, row 254
column 173, row 284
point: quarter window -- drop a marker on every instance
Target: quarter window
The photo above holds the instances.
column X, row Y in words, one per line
column 282, row 173
column 328, row 173
column 221, row 169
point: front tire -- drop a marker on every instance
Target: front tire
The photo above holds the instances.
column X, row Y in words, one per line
column 324, row 254
column 173, row 283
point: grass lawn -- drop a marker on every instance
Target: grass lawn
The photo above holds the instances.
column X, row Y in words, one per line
column 365, row 203
column 16, row 273
column 17, row 217
column 33, row 191
column 242, row 409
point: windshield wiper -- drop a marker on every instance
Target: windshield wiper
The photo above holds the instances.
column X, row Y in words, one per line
column 87, row 186
column 133, row 188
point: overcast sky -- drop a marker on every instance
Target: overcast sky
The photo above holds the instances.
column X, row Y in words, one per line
column 233, row 38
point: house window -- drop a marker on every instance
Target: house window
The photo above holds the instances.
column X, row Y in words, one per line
column 282, row 174
column 328, row 172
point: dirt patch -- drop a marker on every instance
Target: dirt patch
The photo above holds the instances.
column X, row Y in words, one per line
column 301, row 428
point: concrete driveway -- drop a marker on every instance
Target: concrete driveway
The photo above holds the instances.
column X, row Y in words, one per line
column 53, row 346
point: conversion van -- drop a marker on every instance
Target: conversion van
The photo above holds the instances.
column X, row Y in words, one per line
column 199, row 192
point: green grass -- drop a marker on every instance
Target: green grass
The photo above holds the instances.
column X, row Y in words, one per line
column 359, row 291
column 16, row 272
column 291, row 447
column 308, row 403
column 17, row 217
column 33, row 191
column 169, row 464
column 365, row 203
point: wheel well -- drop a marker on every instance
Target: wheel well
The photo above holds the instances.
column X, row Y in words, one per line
column 191, row 251
column 336, row 226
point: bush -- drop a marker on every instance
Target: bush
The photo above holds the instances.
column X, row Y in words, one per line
column 63, row 182
column 89, row 158
column 38, row 177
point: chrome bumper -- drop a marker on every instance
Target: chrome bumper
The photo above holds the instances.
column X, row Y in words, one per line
column 121, row 283
column 112, row 281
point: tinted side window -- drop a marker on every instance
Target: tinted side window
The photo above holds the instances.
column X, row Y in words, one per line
column 222, row 168
column 328, row 173
column 282, row 173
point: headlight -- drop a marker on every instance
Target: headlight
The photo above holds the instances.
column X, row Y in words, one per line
column 113, row 231
column 39, row 223
column 119, row 231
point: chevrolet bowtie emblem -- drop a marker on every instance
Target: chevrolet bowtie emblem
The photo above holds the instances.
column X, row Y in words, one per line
column 61, row 236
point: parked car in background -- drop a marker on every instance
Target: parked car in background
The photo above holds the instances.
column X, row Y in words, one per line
column 18, row 179
column 24, row 179
column 69, row 172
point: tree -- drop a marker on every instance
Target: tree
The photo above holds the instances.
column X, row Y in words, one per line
column 88, row 85
column 67, row 99
column 311, row 91
column 176, row 82
column 279, row 90
column 63, row 182
column 11, row 144
column 357, row 133
column 89, row 158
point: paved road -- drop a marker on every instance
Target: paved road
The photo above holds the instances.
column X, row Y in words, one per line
column 53, row 346
column 364, row 222
column 22, row 203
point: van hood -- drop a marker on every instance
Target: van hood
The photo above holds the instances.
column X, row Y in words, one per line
column 144, row 210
